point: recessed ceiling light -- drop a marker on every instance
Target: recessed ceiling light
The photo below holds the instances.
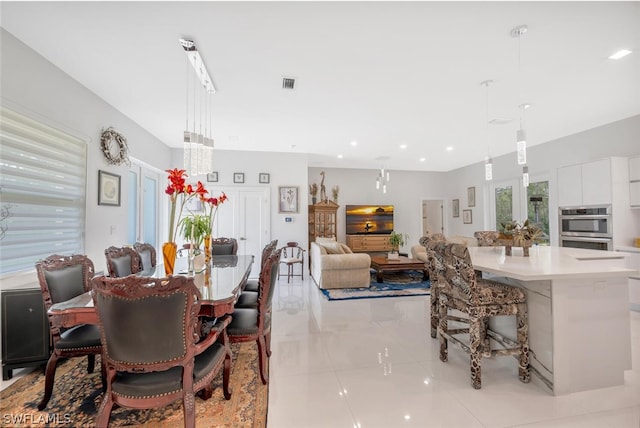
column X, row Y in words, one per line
column 620, row 54
column 403, row 146
column 423, row 159
column 354, row 143
column 449, row 148
column 339, row 156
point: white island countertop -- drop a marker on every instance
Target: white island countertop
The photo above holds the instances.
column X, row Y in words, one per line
column 550, row 263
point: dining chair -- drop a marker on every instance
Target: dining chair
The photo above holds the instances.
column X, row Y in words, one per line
column 432, row 266
column 153, row 351
column 480, row 299
column 224, row 247
column 122, row 261
column 62, row 278
column 249, row 324
column 147, row 254
column 253, row 284
column 292, row 254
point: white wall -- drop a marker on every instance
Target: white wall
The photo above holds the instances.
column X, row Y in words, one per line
column 31, row 85
column 405, row 191
column 285, row 169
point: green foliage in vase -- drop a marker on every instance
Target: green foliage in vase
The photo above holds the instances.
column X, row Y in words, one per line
column 521, row 232
column 397, row 240
column 194, row 228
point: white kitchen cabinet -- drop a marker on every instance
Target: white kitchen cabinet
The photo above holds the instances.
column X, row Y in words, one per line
column 634, row 182
column 585, row 184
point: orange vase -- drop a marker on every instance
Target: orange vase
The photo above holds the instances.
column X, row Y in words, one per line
column 207, row 249
column 169, row 250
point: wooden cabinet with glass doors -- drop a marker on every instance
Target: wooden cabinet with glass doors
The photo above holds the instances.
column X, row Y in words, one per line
column 323, row 220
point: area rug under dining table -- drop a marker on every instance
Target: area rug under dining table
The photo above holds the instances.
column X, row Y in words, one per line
column 395, row 284
column 77, row 395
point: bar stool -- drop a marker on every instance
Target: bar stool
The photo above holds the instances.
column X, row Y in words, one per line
column 292, row 255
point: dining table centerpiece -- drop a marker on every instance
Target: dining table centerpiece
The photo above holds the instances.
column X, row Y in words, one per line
column 515, row 234
column 179, row 193
column 211, row 209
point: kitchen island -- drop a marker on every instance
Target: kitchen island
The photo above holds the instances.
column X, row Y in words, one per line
column 578, row 302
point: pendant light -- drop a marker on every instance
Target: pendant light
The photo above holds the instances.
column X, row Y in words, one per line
column 488, row 166
column 525, row 176
column 521, row 135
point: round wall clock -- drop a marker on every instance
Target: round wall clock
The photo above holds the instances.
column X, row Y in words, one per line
column 114, row 147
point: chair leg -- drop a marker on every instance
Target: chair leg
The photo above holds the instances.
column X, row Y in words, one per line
column 104, row 412
column 50, row 374
column 434, row 312
column 262, row 359
column 443, row 327
column 522, row 318
column 475, row 346
column 91, row 363
column 226, row 374
column 268, row 343
column 189, row 408
column 103, row 373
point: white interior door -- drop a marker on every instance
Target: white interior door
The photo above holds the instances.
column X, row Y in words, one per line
column 246, row 217
column 432, row 216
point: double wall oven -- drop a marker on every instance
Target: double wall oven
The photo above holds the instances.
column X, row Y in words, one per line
column 586, row 227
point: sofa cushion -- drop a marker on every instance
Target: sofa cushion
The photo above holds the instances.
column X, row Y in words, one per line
column 321, row 240
column 332, row 247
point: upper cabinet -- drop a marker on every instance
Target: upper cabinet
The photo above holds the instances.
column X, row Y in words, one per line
column 634, row 182
column 585, row 184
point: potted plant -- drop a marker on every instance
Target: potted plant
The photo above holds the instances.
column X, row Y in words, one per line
column 194, row 228
column 522, row 235
column 313, row 191
column 396, row 240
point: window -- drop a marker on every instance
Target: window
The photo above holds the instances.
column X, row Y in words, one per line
column 538, row 207
column 42, row 185
column 504, row 205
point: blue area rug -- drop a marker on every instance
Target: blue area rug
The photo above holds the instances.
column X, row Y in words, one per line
column 396, row 284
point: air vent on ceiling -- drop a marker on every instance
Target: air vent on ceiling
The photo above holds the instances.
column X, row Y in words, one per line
column 288, row 82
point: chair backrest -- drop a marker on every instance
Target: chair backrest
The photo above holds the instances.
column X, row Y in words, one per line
column 267, row 282
column 147, row 324
column 432, row 237
column 455, row 272
column 224, row 247
column 64, row 277
column 486, row 238
column 292, row 250
column 147, row 254
column 122, row 261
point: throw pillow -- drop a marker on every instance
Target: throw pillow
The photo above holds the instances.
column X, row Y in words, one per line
column 321, row 240
column 332, row 247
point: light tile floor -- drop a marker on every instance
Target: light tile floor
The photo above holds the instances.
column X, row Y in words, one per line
column 372, row 363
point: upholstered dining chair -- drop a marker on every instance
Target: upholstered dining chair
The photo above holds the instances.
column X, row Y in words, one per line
column 292, row 254
column 122, row 261
column 61, row 278
column 432, row 265
column 253, row 284
column 153, row 351
column 249, row 324
column 486, row 238
column 224, row 247
column 480, row 299
column 147, row 255
column 251, row 291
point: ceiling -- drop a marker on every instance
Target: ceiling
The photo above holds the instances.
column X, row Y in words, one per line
column 382, row 74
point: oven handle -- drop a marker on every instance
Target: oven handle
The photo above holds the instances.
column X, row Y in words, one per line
column 581, row 238
column 585, row 217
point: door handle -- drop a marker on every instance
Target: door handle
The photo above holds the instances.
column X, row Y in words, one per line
column 243, row 239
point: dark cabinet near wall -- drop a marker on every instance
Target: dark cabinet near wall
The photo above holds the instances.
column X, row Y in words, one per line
column 25, row 330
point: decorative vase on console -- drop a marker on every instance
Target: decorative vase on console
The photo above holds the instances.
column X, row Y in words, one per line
column 396, row 240
column 313, row 191
column 211, row 209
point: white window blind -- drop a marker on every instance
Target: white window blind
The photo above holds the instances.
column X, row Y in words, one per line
column 42, row 184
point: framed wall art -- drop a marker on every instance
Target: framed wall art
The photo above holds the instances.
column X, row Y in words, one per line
column 238, row 177
column 467, row 216
column 212, row 177
column 108, row 189
column 263, row 178
column 455, row 207
column 288, row 199
column 471, row 196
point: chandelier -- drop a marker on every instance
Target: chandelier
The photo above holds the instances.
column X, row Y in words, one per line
column 198, row 142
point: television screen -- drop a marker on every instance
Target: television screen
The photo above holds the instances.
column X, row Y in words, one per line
column 372, row 219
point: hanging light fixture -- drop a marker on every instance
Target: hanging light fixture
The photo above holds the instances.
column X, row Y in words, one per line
column 488, row 165
column 521, row 135
column 198, row 144
column 383, row 176
column 525, row 176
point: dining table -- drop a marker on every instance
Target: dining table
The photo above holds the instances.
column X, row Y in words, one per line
column 219, row 282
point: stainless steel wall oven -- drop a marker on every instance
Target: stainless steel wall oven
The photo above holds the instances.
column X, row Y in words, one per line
column 586, row 227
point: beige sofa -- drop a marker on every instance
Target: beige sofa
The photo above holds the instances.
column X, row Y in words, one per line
column 419, row 252
column 334, row 265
